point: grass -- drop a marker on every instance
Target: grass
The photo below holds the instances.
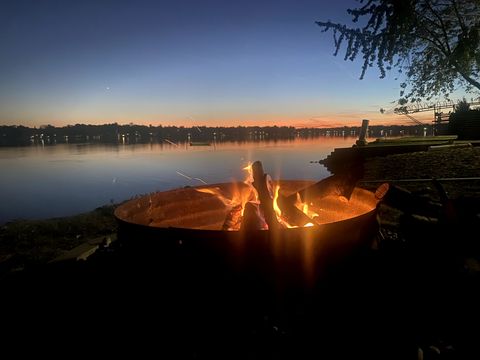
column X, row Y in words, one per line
column 31, row 242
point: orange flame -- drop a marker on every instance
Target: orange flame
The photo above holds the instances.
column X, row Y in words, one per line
column 278, row 211
column 305, row 208
column 239, row 198
column 298, row 204
column 249, row 178
column 216, row 191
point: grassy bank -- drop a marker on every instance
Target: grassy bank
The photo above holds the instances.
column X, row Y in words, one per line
column 32, row 242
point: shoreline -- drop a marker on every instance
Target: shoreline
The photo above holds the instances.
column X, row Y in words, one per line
column 25, row 243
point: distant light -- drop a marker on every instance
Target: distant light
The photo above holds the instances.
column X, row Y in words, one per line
column 107, row 88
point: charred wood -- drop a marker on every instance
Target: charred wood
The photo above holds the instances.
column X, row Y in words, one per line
column 266, row 201
column 233, row 219
column 252, row 218
column 291, row 213
column 340, row 185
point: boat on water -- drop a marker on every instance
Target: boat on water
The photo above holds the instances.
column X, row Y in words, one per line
column 200, row 143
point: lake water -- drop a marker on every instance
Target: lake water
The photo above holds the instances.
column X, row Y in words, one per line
column 40, row 182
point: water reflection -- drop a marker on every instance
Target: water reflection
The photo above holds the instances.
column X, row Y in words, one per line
column 65, row 179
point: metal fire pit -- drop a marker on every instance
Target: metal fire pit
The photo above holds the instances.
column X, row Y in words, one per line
column 184, row 226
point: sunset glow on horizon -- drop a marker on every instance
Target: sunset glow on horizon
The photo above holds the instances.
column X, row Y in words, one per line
column 327, row 121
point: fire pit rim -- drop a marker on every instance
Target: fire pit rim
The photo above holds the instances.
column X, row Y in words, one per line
column 124, row 220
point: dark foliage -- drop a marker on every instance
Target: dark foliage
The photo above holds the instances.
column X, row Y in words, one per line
column 434, row 43
column 464, row 121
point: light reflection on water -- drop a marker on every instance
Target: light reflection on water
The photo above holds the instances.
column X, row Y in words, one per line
column 41, row 182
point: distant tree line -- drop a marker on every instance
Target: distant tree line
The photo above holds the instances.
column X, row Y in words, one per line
column 131, row 133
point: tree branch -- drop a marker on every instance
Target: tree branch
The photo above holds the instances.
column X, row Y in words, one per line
column 435, row 40
column 442, row 25
column 440, row 48
column 469, row 79
column 460, row 20
column 435, row 37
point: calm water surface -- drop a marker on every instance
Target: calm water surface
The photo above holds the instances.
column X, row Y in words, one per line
column 41, row 182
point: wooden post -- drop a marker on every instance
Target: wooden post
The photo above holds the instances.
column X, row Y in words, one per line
column 362, row 140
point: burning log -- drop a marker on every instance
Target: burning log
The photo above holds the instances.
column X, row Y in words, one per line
column 252, row 218
column 233, row 218
column 292, row 214
column 264, row 195
column 333, row 185
column 340, row 185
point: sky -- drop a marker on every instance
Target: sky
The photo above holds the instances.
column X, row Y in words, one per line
column 183, row 62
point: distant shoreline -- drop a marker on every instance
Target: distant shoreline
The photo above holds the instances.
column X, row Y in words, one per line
column 132, row 134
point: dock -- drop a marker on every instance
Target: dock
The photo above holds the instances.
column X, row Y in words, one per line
column 342, row 158
column 200, row 143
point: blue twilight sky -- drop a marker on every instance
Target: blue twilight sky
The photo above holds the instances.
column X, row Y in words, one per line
column 181, row 62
